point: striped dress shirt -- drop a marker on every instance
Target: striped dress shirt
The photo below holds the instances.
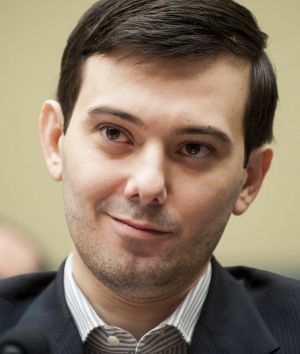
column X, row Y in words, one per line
column 172, row 336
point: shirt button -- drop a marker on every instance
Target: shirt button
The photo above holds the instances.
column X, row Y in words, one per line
column 113, row 341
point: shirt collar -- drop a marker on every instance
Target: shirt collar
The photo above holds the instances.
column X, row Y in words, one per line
column 184, row 318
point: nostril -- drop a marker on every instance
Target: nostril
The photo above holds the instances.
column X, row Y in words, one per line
column 146, row 184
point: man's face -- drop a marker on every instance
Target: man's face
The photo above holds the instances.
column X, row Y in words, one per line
column 152, row 168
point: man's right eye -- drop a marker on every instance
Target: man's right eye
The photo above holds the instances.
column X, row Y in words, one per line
column 114, row 134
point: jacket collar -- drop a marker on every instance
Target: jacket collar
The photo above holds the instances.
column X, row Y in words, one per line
column 49, row 315
column 230, row 322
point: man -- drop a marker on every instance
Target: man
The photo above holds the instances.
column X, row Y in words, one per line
column 159, row 133
column 18, row 253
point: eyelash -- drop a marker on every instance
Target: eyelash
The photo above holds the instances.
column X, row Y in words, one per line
column 200, row 147
column 104, row 131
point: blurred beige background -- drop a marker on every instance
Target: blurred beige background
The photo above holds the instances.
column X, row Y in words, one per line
column 32, row 37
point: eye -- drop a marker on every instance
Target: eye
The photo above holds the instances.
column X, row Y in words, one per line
column 114, row 133
column 196, row 150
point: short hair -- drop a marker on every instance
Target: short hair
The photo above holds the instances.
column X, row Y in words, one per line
column 171, row 29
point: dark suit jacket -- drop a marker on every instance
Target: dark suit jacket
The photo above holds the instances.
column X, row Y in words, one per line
column 247, row 311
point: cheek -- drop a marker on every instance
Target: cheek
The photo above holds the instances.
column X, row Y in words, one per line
column 90, row 175
column 209, row 198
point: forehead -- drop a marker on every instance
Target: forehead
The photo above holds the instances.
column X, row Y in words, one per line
column 220, row 70
column 210, row 89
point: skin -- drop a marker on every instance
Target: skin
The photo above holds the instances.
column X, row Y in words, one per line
column 152, row 169
column 17, row 254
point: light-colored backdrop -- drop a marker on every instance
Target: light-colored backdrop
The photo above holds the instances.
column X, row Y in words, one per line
column 32, row 37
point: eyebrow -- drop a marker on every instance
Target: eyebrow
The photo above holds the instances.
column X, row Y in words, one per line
column 190, row 130
column 206, row 130
column 100, row 110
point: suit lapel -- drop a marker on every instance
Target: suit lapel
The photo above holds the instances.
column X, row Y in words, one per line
column 230, row 322
column 49, row 315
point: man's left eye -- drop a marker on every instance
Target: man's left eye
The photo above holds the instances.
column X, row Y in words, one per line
column 113, row 133
column 195, row 150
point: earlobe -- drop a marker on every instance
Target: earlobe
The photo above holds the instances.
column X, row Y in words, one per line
column 259, row 163
column 51, row 124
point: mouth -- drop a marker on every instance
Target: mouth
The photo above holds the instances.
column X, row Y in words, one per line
column 142, row 229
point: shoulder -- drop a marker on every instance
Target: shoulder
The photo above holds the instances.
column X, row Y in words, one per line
column 263, row 283
column 17, row 293
column 24, row 287
column 276, row 297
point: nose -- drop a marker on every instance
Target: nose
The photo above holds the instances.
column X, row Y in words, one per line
column 147, row 181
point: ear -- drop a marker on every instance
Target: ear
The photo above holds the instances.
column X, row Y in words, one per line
column 258, row 165
column 51, row 125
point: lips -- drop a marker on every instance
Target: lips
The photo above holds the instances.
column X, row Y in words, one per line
column 143, row 227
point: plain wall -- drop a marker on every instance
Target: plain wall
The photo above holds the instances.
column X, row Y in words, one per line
column 32, row 36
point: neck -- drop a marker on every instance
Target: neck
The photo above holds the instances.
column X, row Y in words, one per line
column 135, row 315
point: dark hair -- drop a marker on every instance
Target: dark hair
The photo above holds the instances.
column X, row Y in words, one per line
column 173, row 29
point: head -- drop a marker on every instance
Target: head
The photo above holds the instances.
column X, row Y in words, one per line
column 159, row 134
column 172, row 29
column 18, row 253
